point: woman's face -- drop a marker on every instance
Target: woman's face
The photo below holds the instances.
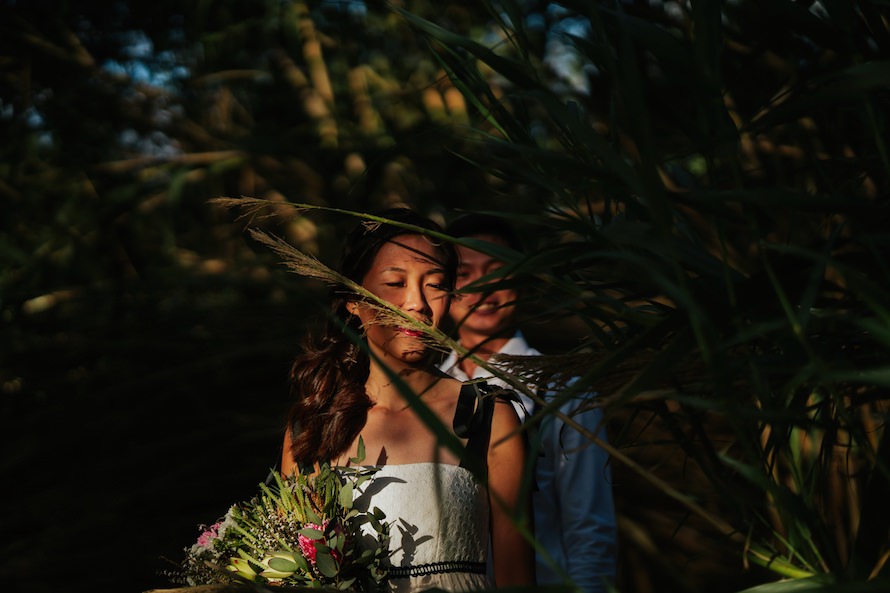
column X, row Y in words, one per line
column 406, row 272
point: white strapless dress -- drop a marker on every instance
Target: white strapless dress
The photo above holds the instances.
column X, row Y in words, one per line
column 439, row 525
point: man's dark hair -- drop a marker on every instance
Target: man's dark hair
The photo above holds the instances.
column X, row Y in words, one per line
column 469, row 225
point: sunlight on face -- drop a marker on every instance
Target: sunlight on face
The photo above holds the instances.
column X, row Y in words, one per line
column 407, row 273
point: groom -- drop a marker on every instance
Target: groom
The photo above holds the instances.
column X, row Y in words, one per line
column 573, row 506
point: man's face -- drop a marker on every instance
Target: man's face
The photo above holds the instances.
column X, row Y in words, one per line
column 483, row 313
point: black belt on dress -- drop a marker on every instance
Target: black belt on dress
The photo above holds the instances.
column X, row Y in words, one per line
column 420, row 570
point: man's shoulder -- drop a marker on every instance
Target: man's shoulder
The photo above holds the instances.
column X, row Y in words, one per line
column 517, row 345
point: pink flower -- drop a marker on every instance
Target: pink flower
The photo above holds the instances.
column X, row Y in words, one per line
column 307, row 544
column 206, row 538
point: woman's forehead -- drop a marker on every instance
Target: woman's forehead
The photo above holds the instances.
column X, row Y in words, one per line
column 408, row 250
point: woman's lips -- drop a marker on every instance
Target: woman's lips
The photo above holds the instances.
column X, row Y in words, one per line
column 414, row 333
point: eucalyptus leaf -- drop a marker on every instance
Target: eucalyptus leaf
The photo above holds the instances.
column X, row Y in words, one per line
column 324, row 562
column 283, row 564
column 312, row 516
column 337, row 542
column 346, row 496
column 311, row 532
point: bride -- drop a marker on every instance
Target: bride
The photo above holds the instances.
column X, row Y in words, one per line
column 370, row 377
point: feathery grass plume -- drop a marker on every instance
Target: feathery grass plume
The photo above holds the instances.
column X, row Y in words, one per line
column 257, row 208
column 302, row 263
column 309, row 266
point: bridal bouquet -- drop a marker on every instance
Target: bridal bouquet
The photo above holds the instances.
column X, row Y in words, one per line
column 300, row 531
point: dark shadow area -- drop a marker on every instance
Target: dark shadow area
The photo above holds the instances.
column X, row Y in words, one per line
column 124, row 438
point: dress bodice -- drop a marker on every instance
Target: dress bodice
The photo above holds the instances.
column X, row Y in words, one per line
column 439, row 525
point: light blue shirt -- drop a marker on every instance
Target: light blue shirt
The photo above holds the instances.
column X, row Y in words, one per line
column 573, row 505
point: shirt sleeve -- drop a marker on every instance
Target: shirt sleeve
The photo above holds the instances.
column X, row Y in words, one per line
column 586, row 508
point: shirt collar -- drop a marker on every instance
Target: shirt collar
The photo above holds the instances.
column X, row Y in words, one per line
column 515, row 346
column 450, row 366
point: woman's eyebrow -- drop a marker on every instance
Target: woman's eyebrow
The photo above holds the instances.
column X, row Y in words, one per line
column 401, row 269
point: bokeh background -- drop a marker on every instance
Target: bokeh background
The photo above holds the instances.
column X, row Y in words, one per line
column 703, row 188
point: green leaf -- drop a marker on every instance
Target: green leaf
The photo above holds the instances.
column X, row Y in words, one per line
column 346, row 496
column 875, row 376
column 337, row 542
column 511, row 69
column 302, row 563
column 313, row 517
column 311, row 532
column 360, row 452
column 849, row 85
column 361, row 480
column 821, row 584
column 324, row 561
column 283, row 564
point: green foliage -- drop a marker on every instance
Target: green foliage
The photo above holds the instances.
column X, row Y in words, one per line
column 135, row 317
column 300, row 531
column 703, row 188
column 715, row 230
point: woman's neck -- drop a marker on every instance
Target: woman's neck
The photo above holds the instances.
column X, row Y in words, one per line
column 384, row 385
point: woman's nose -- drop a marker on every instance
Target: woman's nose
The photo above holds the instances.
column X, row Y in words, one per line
column 415, row 300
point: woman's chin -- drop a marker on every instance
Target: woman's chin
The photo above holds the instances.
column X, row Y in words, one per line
column 414, row 356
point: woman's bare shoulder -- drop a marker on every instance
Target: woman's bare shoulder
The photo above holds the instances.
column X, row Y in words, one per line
column 505, row 418
column 445, row 388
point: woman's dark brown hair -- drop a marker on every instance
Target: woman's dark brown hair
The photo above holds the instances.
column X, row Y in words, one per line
column 328, row 377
